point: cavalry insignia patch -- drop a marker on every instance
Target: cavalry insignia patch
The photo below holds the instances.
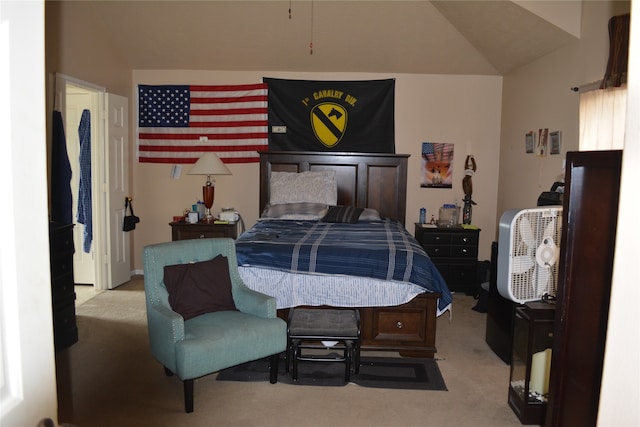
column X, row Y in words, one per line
column 329, row 122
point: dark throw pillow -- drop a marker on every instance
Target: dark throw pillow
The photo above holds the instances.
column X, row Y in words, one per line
column 348, row 214
column 199, row 287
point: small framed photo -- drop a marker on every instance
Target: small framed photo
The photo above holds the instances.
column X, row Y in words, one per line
column 529, row 142
column 543, row 142
column 555, row 141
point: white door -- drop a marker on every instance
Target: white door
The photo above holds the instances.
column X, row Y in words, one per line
column 77, row 100
column 72, row 96
column 109, row 257
column 117, row 157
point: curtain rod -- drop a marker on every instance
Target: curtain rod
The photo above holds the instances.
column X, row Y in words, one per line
column 587, row 87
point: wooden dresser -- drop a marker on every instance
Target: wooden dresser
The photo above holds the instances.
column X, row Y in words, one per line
column 454, row 251
column 584, row 286
column 63, row 296
column 202, row 230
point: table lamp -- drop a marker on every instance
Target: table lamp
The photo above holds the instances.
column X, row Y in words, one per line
column 209, row 164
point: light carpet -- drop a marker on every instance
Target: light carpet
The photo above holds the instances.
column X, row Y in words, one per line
column 109, row 378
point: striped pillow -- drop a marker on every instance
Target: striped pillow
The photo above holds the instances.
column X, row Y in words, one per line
column 346, row 214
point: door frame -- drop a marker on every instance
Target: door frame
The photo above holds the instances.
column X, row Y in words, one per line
column 98, row 169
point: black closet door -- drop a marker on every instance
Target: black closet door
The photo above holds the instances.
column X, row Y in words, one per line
column 590, row 212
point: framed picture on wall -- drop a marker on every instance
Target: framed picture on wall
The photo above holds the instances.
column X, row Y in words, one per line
column 543, row 143
column 529, row 141
column 555, row 141
column 436, row 165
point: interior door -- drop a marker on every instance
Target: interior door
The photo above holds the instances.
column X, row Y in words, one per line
column 77, row 100
column 109, row 258
column 72, row 96
column 117, row 158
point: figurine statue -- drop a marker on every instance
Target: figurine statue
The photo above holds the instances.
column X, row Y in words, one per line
column 467, row 187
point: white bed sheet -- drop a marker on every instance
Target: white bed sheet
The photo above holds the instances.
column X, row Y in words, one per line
column 294, row 289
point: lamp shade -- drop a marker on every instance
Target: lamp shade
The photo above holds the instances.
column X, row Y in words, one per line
column 209, row 164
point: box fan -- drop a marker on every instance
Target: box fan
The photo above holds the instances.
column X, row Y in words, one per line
column 528, row 251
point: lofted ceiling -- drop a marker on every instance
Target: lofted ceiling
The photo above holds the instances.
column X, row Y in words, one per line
column 425, row 37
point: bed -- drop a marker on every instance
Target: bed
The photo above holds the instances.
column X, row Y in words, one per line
column 398, row 291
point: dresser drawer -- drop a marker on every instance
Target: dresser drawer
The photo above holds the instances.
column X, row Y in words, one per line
column 463, row 274
column 62, row 287
column 465, row 239
column 435, row 238
column 400, row 326
column 460, row 277
column 65, row 330
column 464, row 251
column 468, row 251
column 61, row 265
column 437, row 251
column 185, row 231
column 61, row 241
column 200, row 234
column 393, row 325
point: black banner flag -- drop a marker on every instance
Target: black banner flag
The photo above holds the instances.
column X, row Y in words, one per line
column 345, row 116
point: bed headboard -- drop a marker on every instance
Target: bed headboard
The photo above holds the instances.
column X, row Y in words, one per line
column 366, row 180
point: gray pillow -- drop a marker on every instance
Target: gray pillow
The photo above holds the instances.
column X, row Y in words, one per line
column 303, row 187
column 295, row 211
column 370, row 215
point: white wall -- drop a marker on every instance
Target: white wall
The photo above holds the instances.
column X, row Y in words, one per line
column 27, row 364
column 462, row 110
column 538, row 96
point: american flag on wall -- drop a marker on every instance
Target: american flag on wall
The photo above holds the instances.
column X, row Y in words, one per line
column 179, row 123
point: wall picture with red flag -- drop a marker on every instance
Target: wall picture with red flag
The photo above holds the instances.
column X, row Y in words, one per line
column 179, row 123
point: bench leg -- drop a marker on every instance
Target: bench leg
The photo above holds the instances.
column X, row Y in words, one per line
column 295, row 349
column 287, row 357
column 348, row 351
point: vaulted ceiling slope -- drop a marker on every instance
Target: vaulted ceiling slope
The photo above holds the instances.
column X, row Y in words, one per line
column 425, row 37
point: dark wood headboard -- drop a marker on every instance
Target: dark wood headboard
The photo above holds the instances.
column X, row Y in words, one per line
column 366, row 180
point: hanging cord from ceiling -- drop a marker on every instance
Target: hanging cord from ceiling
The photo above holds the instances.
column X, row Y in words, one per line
column 310, row 27
column 311, row 32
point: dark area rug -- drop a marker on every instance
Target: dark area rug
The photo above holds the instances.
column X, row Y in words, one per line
column 378, row 372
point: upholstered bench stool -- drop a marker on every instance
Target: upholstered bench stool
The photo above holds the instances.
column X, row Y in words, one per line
column 320, row 328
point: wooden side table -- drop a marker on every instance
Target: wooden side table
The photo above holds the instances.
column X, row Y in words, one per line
column 454, row 251
column 202, row 230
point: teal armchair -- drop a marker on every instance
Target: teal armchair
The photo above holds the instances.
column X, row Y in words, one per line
column 214, row 341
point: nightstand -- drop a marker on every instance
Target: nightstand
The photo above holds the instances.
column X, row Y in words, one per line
column 202, row 230
column 454, row 251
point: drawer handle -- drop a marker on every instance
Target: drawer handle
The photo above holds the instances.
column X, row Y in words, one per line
column 464, row 239
column 399, row 325
column 202, row 236
column 464, row 251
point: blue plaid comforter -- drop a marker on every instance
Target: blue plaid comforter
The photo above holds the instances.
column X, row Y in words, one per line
column 380, row 249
